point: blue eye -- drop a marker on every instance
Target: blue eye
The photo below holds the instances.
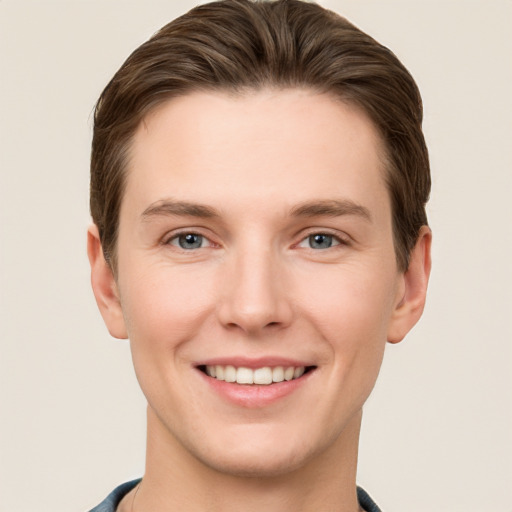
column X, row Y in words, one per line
column 188, row 241
column 319, row 241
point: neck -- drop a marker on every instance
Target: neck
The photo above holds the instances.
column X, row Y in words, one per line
column 176, row 480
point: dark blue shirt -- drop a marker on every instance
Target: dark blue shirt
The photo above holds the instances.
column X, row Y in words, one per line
column 114, row 498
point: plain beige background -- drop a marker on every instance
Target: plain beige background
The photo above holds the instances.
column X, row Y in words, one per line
column 437, row 430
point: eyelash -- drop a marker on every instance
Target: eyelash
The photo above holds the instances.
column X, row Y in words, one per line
column 177, row 236
column 337, row 239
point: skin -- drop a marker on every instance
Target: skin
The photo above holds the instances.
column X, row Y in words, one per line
column 275, row 167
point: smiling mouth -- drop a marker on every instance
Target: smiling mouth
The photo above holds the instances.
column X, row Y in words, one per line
column 265, row 375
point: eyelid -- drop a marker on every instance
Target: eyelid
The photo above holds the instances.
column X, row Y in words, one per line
column 172, row 235
column 305, row 241
column 341, row 237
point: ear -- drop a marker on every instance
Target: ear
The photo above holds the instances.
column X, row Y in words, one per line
column 104, row 286
column 413, row 289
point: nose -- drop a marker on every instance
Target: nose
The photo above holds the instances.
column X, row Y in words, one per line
column 254, row 298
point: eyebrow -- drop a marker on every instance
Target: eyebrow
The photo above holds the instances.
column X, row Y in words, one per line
column 331, row 208
column 168, row 207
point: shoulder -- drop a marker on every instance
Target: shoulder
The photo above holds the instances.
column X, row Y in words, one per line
column 366, row 502
column 110, row 503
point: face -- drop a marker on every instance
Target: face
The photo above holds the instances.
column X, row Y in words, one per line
column 255, row 245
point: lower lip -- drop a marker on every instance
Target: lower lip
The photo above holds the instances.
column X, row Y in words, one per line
column 255, row 395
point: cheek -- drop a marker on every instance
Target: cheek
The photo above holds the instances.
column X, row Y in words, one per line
column 164, row 307
column 351, row 301
column 351, row 310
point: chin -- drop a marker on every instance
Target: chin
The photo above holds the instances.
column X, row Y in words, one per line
column 255, row 454
column 255, row 466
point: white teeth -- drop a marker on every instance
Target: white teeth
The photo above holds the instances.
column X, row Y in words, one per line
column 263, row 376
column 278, row 374
column 230, row 373
column 219, row 372
column 244, row 376
column 298, row 372
column 288, row 373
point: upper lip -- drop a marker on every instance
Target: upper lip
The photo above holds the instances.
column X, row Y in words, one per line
column 258, row 362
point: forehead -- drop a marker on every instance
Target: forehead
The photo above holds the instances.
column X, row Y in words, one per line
column 282, row 145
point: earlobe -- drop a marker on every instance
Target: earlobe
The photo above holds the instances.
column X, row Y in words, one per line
column 104, row 286
column 411, row 302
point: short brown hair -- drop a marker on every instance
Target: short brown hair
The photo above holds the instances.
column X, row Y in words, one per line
column 235, row 45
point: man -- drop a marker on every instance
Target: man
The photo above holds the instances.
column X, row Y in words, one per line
column 258, row 187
